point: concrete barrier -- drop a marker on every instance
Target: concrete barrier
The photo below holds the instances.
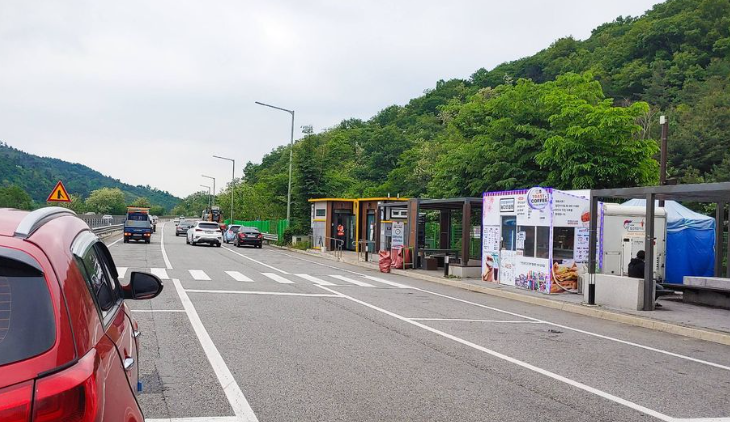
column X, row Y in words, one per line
column 619, row 291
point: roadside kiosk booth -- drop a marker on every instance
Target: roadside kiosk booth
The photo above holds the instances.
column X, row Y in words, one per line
column 535, row 239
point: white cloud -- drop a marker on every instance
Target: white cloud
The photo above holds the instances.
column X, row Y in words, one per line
column 147, row 91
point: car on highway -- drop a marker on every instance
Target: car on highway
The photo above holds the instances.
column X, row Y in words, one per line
column 153, row 221
column 176, row 221
column 183, row 226
column 107, row 219
column 69, row 347
column 230, row 234
column 249, row 236
column 137, row 225
column 204, row 232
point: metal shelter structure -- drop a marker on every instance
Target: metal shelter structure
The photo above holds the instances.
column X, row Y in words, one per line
column 717, row 193
column 445, row 206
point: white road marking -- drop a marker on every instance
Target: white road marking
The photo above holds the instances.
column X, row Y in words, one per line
column 162, row 247
column 238, row 276
column 475, row 320
column 199, row 275
column 254, row 292
column 203, row 419
column 390, row 283
column 160, row 272
column 350, row 280
column 254, row 260
column 315, row 280
column 605, row 337
column 701, row 420
column 114, row 242
column 512, row 360
column 235, row 396
column 158, row 310
column 277, row 278
column 122, row 271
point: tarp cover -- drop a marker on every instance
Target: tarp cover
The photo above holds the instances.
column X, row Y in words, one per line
column 690, row 241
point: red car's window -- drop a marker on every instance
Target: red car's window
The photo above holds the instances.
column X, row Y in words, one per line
column 27, row 326
column 102, row 286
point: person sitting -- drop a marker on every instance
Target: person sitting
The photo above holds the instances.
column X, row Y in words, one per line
column 636, row 266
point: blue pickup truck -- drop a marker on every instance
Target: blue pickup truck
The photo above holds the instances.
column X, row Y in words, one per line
column 137, row 225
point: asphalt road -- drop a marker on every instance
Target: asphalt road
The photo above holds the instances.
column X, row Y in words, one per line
column 269, row 335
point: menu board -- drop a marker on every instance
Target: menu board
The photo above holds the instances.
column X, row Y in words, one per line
column 581, row 245
column 491, row 238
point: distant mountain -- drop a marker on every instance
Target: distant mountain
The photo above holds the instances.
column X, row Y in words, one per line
column 38, row 175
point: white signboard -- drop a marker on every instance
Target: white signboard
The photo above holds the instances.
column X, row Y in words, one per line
column 398, row 235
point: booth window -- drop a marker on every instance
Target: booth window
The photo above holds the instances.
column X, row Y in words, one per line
column 321, row 212
column 563, row 242
column 508, row 232
column 537, row 241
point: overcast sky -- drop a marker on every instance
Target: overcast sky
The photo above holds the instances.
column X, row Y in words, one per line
column 146, row 91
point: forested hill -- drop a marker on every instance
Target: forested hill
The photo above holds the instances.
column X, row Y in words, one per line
column 38, row 175
column 579, row 114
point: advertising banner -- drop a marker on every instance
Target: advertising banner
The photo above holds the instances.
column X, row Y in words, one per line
column 490, row 253
column 533, row 274
column 398, row 234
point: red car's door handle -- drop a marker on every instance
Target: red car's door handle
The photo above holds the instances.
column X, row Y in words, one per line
column 136, row 333
column 128, row 363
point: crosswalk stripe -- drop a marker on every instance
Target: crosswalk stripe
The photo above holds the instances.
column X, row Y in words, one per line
column 238, row 276
column 199, row 275
column 122, row 271
column 315, row 280
column 278, row 278
column 349, row 280
column 160, row 272
column 390, row 283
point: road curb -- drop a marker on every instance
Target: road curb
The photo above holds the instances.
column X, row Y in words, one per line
column 590, row 311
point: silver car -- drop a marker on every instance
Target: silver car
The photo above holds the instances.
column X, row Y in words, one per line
column 205, row 232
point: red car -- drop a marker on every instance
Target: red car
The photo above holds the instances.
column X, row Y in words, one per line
column 68, row 343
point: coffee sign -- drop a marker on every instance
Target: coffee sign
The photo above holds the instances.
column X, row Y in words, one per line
column 507, row 205
column 537, row 198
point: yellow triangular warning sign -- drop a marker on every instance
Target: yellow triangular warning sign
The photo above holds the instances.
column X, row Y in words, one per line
column 59, row 194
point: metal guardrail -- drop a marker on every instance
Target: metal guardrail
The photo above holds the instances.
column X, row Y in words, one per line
column 101, row 231
column 271, row 237
column 339, row 245
column 97, row 220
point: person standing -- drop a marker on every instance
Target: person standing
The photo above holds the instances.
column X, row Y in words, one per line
column 637, row 265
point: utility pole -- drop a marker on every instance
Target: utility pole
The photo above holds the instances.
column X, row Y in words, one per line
column 663, row 154
column 209, row 177
column 233, row 179
column 205, row 186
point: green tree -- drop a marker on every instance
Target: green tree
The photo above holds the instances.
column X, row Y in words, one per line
column 157, row 210
column 77, row 204
column 141, row 202
column 15, row 197
column 106, row 201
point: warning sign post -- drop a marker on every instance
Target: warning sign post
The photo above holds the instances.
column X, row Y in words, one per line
column 59, row 194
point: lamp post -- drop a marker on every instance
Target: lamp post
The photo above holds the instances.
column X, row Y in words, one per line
column 210, row 177
column 663, row 155
column 291, row 154
column 233, row 178
column 208, row 194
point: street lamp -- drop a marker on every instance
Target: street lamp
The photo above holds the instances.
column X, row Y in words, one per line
column 291, row 153
column 209, row 177
column 233, row 178
column 208, row 194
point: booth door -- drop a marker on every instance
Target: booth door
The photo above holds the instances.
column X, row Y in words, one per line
column 370, row 227
column 507, row 254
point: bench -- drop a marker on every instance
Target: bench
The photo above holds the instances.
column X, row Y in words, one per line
column 709, row 291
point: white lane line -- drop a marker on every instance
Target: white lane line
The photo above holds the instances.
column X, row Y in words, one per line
column 203, row 419
column 235, row 396
column 162, row 247
column 350, row 280
column 577, row 330
column 122, row 271
column 475, row 320
column 238, row 276
column 199, row 275
column 255, row 292
column 158, row 310
column 160, row 272
column 315, row 280
column 701, row 420
column 114, row 242
column 512, row 360
column 254, row 260
column 277, row 278
column 390, row 283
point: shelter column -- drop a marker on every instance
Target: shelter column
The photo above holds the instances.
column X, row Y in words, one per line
column 649, row 261
column 444, row 228
column 719, row 226
column 592, row 240
column 465, row 232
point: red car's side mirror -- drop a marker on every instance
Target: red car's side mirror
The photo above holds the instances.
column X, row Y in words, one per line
column 142, row 286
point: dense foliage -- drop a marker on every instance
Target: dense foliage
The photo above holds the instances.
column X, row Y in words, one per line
column 38, row 175
column 579, row 114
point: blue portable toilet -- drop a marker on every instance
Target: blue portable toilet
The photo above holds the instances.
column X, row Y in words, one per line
column 690, row 241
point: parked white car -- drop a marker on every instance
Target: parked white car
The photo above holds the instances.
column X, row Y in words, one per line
column 205, row 232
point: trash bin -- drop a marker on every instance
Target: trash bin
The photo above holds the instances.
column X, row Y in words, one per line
column 384, row 261
column 396, row 256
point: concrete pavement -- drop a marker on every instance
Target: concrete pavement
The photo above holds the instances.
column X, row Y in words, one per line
column 265, row 334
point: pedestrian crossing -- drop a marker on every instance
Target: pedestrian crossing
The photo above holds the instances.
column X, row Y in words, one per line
column 237, row 276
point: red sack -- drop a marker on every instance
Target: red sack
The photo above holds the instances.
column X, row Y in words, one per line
column 384, row 261
column 396, row 256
